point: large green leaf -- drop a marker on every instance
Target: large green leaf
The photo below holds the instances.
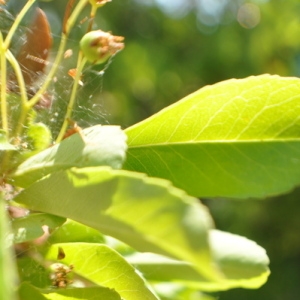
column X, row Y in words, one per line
column 238, row 138
column 147, row 213
column 243, row 263
column 8, row 273
column 94, row 146
column 103, row 266
column 28, row 292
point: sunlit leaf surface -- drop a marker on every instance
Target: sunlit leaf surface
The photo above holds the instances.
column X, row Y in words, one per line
column 232, row 139
column 104, row 266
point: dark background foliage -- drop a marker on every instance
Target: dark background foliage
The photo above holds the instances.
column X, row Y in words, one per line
column 174, row 48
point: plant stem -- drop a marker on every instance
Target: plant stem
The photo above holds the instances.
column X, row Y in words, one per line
column 92, row 17
column 20, row 79
column 80, row 64
column 51, row 73
column 72, row 19
column 3, row 102
column 17, row 22
column 70, row 23
column 24, row 100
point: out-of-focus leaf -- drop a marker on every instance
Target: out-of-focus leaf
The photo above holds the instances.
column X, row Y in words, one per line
column 32, row 272
column 30, row 227
column 103, row 266
column 28, row 292
column 34, row 52
column 243, row 263
column 4, row 144
column 94, row 146
column 39, row 136
column 73, row 231
column 147, row 213
column 171, row 291
column 232, row 139
column 8, row 273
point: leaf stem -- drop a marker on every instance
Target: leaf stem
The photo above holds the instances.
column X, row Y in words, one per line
column 20, row 79
column 72, row 19
column 17, row 22
column 3, row 106
column 69, row 24
column 80, row 65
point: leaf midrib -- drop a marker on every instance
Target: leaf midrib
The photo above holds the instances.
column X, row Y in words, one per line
column 202, row 142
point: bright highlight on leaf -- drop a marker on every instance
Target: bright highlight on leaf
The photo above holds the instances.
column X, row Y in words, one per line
column 105, row 267
column 232, row 139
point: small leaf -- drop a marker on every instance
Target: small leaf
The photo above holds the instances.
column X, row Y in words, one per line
column 4, row 144
column 32, row 272
column 39, row 136
column 72, row 231
column 147, row 213
column 8, row 272
column 94, row 146
column 30, row 227
column 28, row 292
column 238, row 138
column 243, row 263
column 103, row 266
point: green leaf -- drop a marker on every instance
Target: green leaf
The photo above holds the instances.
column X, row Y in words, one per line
column 147, row 213
column 31, row 227
column 237, row 138
column 8, row 272
column 39, row 136
column 31, row 271
column 72, row 231
column 94, row 146
column 28, row 292
column 103, row 266
column 171, row 291
column 4, row 144
column 243, row 263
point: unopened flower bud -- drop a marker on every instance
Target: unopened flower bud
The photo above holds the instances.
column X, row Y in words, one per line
column 97, row 46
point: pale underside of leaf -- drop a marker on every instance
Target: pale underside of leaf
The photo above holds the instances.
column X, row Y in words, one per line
column 94, row 146
column 148, row 214
column 243, row 263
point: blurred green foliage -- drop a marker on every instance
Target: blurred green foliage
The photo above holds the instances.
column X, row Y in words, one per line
column 173, row 50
